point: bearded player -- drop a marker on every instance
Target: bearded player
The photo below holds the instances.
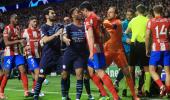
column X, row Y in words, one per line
column 12, row 54
column 32, row 49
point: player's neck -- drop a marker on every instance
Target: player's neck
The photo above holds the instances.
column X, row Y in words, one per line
column 13, row 25
column 157, row 15
column 77, row 22
column 33, row 28
column 139, row 14
column 89, row 13
column 49, row 23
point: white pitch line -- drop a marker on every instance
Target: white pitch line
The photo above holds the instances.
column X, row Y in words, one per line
column 49, row 92
column 94, row 94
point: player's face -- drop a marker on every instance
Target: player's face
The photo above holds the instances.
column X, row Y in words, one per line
column 34, row 23
column 67, row 20
column 129, row 15
column 15, row 20
column 111, row 13
column 77, row 14
column 84, row 12
column 52, row 15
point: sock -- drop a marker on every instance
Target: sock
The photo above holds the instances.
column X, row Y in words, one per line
column 38, row 86
column 168, row 89
column 1, row 77
column 33, row 83
column 99, row 84
column 3, row 83
column 24, row 81
column 68, row 85
column 141, row 81
column 108, row 83
column 64, row 87
column 147, row 81
column 159, row 83
column 79, row 88
column 119, row 76
column 87, row 85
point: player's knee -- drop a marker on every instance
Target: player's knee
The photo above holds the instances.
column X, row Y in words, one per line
column 64, row 75
column 36, row 71
column 167, row 69
column 21, row 69
column 79, row 76
column 90, row 71
column 100, row 73
column 152, row 69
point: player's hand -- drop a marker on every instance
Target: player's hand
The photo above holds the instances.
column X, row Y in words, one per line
column 147, row 53
column 67, row 41
column 23, row 42
column 128, row 41
column 91, row 56
column 59, row 32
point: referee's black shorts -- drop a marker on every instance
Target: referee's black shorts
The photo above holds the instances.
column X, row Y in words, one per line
column 138, row 55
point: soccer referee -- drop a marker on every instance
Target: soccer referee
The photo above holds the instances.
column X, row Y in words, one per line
column 137, row 50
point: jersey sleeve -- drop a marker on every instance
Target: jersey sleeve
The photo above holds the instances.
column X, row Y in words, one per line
column 6, row 32
column 89, row 23
column 25, row 35
column 43, row 31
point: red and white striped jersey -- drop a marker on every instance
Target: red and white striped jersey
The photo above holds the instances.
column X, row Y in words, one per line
column 160, row 28
column 12, row 34
column 33, row 47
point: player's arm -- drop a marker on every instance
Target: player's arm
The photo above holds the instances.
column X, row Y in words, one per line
column 129, row 30
column 65, row 38
column 147, row 39
column 45, row 38
column 90, row 38
column 7, row 41
column 25, row 36
column 106, row 34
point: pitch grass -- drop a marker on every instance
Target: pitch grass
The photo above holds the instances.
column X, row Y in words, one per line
column 14, row 90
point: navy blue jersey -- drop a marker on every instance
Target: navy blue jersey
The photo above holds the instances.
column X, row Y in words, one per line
column 52, row 47
column 77, row 36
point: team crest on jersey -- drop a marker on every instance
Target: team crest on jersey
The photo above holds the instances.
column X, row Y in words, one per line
column 41, row 71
